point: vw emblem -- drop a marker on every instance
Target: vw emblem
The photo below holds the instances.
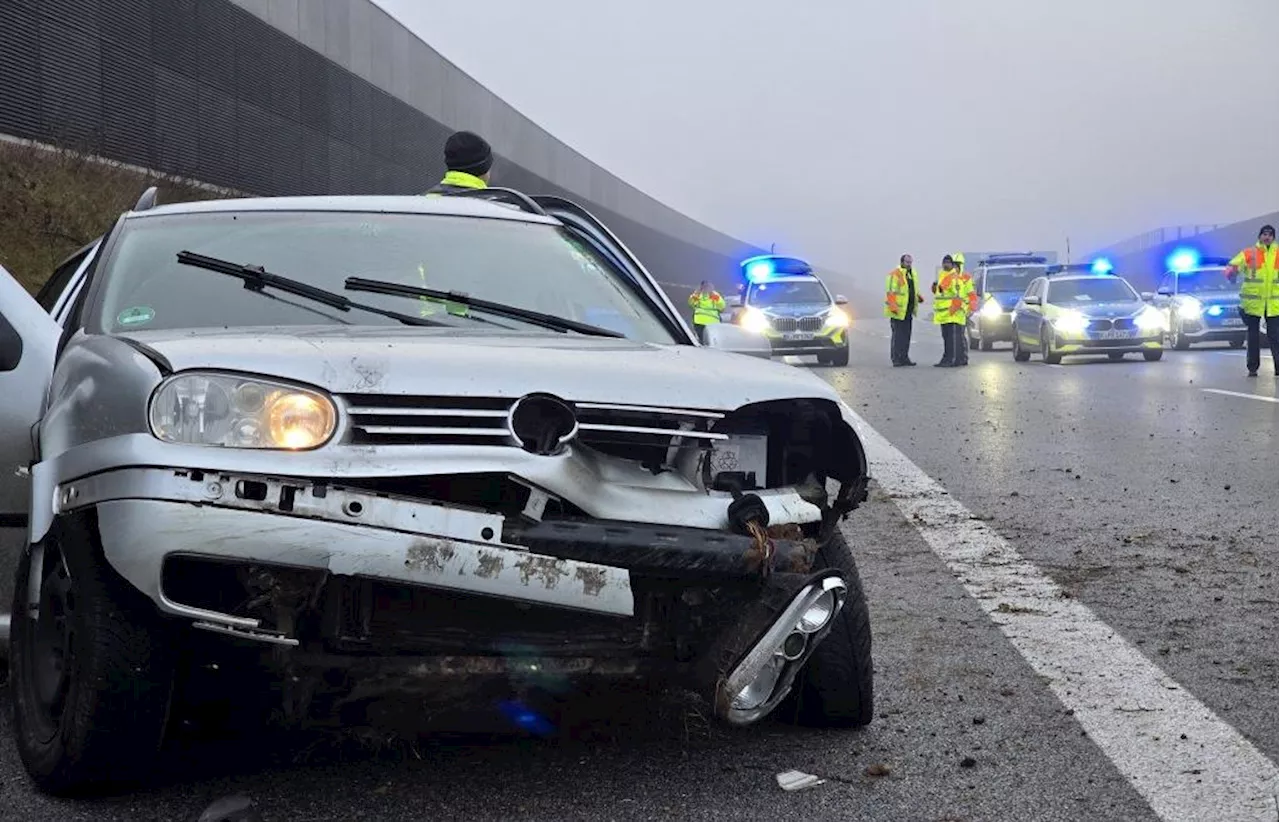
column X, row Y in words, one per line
column 542, row 424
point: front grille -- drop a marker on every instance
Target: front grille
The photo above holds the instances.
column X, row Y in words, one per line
column 378, row 419
column 1126, row 324
column 1122, row 324
column 397, row 420
column 785, row 324
column 1100, row 325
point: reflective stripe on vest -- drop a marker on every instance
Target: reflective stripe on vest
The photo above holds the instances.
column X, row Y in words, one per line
column 1260, row 284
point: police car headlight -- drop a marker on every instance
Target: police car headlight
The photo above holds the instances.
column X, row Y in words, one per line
column 1150, row 319
column 838, row 318
column 1071, row 322
column 991, row 309
column 1189, row 306
column 754, row 320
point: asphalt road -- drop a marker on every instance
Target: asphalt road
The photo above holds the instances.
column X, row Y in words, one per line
column 1144, row 496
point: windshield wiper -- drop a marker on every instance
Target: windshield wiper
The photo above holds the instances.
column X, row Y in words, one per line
column 501, row 309
column 256, row 278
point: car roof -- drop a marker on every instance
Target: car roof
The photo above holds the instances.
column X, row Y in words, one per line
column 373, row 204
column 1058, row 278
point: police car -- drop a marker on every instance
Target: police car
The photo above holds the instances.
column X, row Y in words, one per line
column 1200, row 303
column 786, row 303
column 1085, row 310
column 1000, row 279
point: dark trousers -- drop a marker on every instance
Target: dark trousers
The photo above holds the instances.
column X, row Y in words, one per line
column 952, row 334
column 701, row 331
column 1254, row 324
column 962, row 344
column 900, row 340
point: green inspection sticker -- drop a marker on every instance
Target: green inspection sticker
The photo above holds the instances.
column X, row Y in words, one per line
column 137, row 315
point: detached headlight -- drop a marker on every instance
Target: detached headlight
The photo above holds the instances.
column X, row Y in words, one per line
column 240, row 412
column 1150, row 319
column 991, row 309
column 1188, row 306
column 838, row 318
column 754, row 320
column 1071, row 322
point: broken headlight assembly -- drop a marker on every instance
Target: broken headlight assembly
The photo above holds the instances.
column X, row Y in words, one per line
column 240, row 412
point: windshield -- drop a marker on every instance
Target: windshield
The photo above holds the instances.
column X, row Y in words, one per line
column 1204, row 280
column 1091, row 290
column 1012, row 278
column 526, row 265
column 783, row 292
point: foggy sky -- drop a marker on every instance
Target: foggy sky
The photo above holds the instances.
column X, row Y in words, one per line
column 850, row 132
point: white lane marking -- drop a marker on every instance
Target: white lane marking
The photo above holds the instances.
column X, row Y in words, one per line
column 1130, row 708
column 1239, row 394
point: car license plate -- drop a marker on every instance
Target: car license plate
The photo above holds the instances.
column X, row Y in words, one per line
column 1233, row 321
column 798, row 335
column 1115, row 334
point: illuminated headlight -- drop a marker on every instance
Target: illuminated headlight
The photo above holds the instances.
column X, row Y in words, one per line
column 1071, row 322
column 754, row 320
column 991, row 309
column 240, row 412
column 1150, row 319
column 1189, row 306
column 838, row 318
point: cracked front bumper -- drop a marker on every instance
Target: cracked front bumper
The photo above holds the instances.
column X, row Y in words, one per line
column 147, row 516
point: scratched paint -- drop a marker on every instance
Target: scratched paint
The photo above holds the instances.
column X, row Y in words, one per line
column 545, row 570
column 593, row 580
column 429, row 556
column 489, row 565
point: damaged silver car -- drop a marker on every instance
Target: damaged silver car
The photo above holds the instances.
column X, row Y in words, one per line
column 411, row 444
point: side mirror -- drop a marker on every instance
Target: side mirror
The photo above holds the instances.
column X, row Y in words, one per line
column 1147, row 296
column 1031, row 300
column 1165, row 292
column 737, row 340
column 842, row 299
column 10, row 346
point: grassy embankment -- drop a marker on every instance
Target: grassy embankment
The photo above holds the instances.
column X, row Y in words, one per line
column 52, row 202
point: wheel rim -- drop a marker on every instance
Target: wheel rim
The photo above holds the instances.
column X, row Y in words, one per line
column 49, row 644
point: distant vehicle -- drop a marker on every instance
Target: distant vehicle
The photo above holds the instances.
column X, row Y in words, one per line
column 1084, row 310
column 783, row 300
column 1000, row 280
column 1199, row 302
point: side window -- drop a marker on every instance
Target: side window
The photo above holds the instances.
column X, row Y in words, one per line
column 54, row 287
column 1166, row 284
column 1033, row 290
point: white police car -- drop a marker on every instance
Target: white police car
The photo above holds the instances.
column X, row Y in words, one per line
column 786, row 303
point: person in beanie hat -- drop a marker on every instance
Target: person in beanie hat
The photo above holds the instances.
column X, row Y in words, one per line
column 1259, row 297
column 468, row 158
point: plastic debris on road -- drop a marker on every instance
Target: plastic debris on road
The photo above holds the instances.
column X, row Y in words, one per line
column 797, row 780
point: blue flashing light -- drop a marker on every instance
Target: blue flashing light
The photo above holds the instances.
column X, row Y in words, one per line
column 759, row 271
column 1102, row 266
column 1183, row 260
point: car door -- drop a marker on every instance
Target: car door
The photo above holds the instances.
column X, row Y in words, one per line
column 28, row 345
column 1028, row 314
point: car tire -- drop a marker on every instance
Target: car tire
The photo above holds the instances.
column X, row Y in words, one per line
column 987, row 343
column 1237, row 343
column 1116, row 356
column 92, row 674
column 1046, row 350
column 1179, row 341
column 1018, row 354
column 840, row 358
column 1153, row 356
column 835, row 689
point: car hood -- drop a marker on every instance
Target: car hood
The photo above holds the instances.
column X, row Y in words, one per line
column 459, row 362
column 1127, row 308
column 1216, row 297
column 1006, row 299
column 795, row 309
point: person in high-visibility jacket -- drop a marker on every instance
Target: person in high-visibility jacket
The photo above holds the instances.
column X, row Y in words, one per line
column 1257, row 271
column 901, row 296
column 949, row 311
column 707, row 304
column 970, row 304
column 468, row 160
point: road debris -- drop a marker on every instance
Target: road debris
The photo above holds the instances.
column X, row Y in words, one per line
column 797, row 780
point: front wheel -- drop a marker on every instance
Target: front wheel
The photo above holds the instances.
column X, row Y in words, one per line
column 840, row 358
column 92, row 673
column 1047, row 353
column 1018, row 354
column 835, row 688
column 1177, row 339
column 1237, row 343
column 1153, row 356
